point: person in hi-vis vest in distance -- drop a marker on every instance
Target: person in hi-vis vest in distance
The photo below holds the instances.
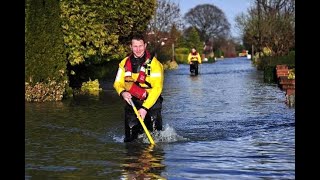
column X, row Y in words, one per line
column 140, row 78
column 194, row 60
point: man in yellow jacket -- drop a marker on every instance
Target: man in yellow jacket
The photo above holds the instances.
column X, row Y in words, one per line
column 140, row 78
column 194, row 59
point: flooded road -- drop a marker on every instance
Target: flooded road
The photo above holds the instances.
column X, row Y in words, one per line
column 225, row 123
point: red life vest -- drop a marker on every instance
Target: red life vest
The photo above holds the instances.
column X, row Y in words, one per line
column 142, row 74
column 136, row 90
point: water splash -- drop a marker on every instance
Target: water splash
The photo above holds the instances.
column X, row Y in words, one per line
column 118, row 139
column 168, row 134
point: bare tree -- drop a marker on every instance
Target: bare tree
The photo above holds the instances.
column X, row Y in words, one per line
column 277, row 25
column 165, row 18
column 210, row 20
column 269, row 24
column 166, row 15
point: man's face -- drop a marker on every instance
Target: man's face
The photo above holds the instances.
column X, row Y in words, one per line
column 138, row 47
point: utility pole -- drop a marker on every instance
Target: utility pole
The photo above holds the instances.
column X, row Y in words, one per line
column 252, row 51
column 173, row 52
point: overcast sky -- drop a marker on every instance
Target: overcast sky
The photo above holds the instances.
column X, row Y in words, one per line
column 231, row 8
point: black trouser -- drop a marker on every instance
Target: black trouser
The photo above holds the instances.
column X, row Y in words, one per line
column 153, row 119
column 194, row 67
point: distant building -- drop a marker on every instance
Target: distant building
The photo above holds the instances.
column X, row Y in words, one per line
column 244, row 53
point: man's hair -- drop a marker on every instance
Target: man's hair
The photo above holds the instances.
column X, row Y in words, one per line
column 138, row 37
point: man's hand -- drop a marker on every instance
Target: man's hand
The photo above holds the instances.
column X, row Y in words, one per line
column 126, row 96
column 142, row 113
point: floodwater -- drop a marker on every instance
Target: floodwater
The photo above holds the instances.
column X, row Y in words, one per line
column 225, row 123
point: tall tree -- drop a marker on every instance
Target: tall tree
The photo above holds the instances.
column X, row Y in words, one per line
column 44, row 48
column 210, row 20
column 193, row 39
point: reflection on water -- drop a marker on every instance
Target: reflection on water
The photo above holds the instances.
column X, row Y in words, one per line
column 225, row 123
column 143, row 162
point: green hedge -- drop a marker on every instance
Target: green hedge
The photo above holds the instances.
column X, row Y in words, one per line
column 218, row 53
column 269, row 74
column 181, row 58
column 182, row 51
column 45, row 59
column 181, row 55
column 273, row 61
column 268, row 65
column 44, row 46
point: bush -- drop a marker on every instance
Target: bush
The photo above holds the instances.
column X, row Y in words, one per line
column 181, row 58
column 268, row 65
column 170, row 65
column 269, row 74
column 211, row 59
column 91, row 87
column 291, row 74
column 289, row 60
column 45, row 60
column 181, row 55
column 41, row 92
column 218, row 53
column 182, row 51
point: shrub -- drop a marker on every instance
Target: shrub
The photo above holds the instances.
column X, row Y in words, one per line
column 45, row 60
column 181, row 55
column 91, row 87
column 170, row 65
column 41, row 92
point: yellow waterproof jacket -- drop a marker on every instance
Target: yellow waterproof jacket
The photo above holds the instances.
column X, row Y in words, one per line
column 192, row 57
column 155, row 78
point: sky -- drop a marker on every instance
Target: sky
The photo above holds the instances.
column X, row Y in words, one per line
column 231, row 8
